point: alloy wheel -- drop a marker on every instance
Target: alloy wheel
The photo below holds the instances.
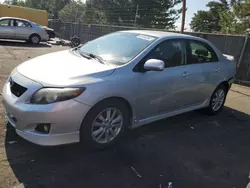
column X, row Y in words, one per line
column 107, row 125
column 35, row 39
column 218, row 99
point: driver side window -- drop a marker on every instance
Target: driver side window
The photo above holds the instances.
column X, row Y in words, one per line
column 170, row 51
column 4, row 22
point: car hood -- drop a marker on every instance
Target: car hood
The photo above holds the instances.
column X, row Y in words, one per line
column 64, row 68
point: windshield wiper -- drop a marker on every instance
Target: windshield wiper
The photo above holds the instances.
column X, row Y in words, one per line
column 96, row 57
column 85, row 55
column 89, row 55
column 76, row 48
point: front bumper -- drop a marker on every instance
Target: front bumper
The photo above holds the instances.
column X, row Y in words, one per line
column 65, row 117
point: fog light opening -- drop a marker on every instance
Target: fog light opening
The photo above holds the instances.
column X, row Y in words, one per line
column 43, row 128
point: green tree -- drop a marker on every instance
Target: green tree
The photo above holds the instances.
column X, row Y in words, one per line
column 58, row 5
column 73, row 12
column 232, row 17
column 93, row 13
column 228, row 22
column 157, row 13
column 241, row 11
column 237, row 19
column 150, row 13
column 202, row 22
column 209, row 21
column 15, row 2
column 117, row 12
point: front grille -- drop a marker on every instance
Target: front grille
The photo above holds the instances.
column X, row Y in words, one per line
column 16, row 89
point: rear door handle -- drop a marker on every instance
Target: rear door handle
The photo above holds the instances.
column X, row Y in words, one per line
column 185, row 74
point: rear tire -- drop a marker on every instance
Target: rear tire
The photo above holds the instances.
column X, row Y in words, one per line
column 217, row 100
column 35, row 39
column 104, row 124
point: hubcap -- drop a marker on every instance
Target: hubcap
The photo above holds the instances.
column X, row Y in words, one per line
column 107, row 125
column 35, row 40
column 218, row 99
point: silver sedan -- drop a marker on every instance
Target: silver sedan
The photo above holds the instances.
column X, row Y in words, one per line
column 21, row 29
column 94, row 92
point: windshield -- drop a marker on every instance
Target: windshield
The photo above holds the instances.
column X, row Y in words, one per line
column 118, row 48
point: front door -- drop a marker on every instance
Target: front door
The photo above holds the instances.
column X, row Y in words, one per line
column 164, row 91
column 7, row 30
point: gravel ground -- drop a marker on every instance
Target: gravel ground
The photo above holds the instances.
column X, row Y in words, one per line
column 189, row 150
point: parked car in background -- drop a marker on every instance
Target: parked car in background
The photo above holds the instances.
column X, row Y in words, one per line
column 21, row 29
column 94, row 92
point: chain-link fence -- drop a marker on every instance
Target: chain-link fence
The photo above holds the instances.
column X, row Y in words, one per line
column 235, row 45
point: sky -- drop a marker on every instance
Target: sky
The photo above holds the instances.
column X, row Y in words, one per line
column 192, row 7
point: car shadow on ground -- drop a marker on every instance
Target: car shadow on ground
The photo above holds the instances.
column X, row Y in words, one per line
column 189, row 150
column 15, row 43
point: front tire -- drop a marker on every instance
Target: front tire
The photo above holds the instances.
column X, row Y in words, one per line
column 105, row 124
column 217, row 100
column 35, row 39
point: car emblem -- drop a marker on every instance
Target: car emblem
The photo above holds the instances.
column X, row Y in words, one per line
column 11, row 82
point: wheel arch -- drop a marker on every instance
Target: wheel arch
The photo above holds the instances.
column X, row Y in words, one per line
column 34, row 34
column 120, row 99
column 226, row 84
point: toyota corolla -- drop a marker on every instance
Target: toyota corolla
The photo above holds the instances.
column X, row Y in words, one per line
column 126, row 79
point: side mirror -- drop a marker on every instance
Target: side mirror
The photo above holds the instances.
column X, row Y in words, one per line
column 154, row 65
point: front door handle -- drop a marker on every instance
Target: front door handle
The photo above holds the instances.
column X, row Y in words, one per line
column 185, row 74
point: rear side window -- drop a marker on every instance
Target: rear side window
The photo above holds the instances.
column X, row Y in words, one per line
column 200, row 52
column 170, row 51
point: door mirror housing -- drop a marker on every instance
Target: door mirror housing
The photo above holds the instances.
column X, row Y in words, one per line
column 154, row 65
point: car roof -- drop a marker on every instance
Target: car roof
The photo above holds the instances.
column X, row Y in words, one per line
column 162, row 34
column 171, row 35
column 14, row 18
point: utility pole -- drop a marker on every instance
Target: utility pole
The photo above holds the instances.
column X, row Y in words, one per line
column 136, row 14
column 183, row 15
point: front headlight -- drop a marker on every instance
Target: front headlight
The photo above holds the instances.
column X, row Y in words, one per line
column 52, row 95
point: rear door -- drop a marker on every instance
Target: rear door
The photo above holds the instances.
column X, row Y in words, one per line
column 23, row 29
column 168, row 90
column 7, row 30
column 205, row 66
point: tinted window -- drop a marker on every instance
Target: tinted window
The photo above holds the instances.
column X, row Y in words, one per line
column 19, row 23
column 118, row 48
column 199, row 52
column 4, row 22
column 171, row 52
